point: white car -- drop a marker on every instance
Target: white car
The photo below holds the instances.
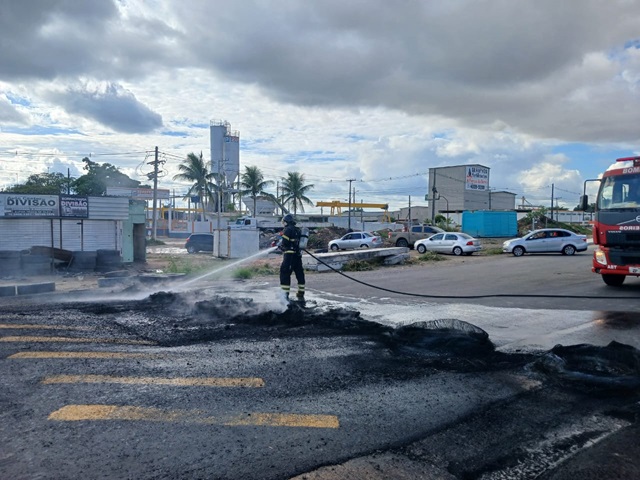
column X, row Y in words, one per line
column 355, row 240
column 449, row 242
column 546, row 240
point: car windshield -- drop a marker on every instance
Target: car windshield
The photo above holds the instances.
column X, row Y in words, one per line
column 621, row 191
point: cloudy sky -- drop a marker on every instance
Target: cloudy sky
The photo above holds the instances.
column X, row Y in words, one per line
column 543, row 92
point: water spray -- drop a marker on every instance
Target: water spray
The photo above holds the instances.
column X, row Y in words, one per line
column 228, row 266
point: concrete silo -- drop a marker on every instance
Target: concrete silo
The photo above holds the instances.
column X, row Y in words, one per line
column 225, row 152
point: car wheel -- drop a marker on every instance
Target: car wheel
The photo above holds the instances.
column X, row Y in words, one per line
column 191, row 249
column 569, row 250
column 457, row 251
column 421, row 249
column 364, row 245
column 518, row 251
column 334, row 248
column 613, row 280
column 402, row 242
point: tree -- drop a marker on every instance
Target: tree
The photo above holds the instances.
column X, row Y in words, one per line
column 294, row 191
column 194, row 169
column 43, row 184
column 252, row 183
column 99, row 177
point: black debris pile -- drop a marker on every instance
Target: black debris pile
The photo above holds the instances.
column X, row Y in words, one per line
column 614, row 367
column 441, row 337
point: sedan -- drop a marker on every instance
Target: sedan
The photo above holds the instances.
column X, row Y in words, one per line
column 547, row 240
column 355, row 240
column 456, row 243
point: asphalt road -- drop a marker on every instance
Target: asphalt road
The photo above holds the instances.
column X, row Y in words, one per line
column 222, row 381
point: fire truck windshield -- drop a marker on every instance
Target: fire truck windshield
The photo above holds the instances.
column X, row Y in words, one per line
column 619, row 192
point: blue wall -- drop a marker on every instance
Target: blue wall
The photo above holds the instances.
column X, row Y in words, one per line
column 487, row 223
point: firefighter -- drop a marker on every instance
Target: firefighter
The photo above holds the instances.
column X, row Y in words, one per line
column 291, row 257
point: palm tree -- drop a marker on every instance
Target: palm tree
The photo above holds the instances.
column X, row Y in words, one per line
column 294, row 191
column 253, row 184
column 194, row 169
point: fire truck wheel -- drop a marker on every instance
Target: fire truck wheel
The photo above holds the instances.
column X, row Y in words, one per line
column 613, row 280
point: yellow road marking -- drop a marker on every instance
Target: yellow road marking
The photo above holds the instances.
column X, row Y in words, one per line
column 107, row 355
column 27, row 338
column 178, row 382
column 41, row 327
column 71, row 413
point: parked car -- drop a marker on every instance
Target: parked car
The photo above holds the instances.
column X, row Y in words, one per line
column 449, row 242
column 409, row 236
column 546, row 240
column 199, row 242
column 355, row 240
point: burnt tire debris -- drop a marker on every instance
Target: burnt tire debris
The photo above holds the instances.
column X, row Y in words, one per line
column 183, row 318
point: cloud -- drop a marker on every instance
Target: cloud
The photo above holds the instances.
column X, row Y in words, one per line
column 9, row 114
column 546, row 68
column 109, row 104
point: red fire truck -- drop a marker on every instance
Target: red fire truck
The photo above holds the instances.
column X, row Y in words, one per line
column 616, row 226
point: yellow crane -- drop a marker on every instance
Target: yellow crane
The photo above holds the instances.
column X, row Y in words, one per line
column 336, row 206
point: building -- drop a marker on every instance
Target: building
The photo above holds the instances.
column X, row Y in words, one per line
column 465, row 187
column 78, row 227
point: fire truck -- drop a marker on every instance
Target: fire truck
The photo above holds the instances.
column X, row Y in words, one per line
column 616, row 226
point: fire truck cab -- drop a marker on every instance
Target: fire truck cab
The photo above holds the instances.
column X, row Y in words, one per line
column 616, row 226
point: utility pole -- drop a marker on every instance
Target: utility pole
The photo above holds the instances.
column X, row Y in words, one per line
column 434, row 192
column 220, row 182
column 350, row 180
column 551, row 216
column 154, row 175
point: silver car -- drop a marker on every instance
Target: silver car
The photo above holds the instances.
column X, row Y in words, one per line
column 448, row 242
column 547, row 240
column 355, row 240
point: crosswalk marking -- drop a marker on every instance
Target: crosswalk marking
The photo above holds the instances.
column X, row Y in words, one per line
column 96, row 355
column 27, row 338
column 70, row 413
column 179, row 382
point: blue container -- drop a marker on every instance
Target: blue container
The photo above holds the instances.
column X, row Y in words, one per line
column 489, row 223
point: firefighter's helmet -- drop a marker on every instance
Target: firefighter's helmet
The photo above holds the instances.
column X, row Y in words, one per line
column 288, row 218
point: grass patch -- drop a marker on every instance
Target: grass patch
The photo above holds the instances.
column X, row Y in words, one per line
column 257, row 269
column 243, row 273
column 357, row 266
column 151, row 242
column 187, row 265
column 493, row 251
column 431, row 257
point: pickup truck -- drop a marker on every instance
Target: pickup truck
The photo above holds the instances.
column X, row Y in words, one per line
column 414, row 233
